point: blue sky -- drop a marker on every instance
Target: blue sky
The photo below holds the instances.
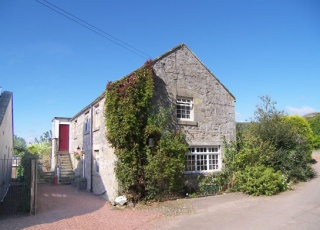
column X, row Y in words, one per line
column 56, row 67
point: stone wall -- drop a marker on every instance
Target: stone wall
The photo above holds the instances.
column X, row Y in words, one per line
column 6, row 141
column 180, row 73
column 88, row 131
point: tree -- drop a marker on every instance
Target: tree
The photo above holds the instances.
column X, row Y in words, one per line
column 46, row 137
column 302, row 131
column 269, row 126
column 315, row 126
column 42, row 148
column 19, row 145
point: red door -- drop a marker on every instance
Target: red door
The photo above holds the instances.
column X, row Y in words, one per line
column 63, row 137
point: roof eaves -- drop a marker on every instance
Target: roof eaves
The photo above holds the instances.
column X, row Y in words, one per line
column 99, row 98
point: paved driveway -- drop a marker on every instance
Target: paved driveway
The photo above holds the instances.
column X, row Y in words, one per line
column 64, row 207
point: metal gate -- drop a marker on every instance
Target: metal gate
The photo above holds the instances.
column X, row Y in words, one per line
column 18, row 187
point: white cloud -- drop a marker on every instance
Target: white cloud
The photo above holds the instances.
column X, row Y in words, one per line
column 240, row 117
column 300, row 111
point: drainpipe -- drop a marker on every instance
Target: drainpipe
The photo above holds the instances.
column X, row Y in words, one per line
column 83, row 163
column 91, row 146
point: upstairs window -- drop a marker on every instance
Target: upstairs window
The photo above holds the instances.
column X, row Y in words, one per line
column 184, row 108
column 86, row 123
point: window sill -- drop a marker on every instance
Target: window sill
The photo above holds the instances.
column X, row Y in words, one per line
column 202, row 172
column 190, row 123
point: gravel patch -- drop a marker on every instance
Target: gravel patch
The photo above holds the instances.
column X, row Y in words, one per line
column 64, row 207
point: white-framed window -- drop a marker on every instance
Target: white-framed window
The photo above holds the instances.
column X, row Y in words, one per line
column 184, row 108
column 203, row 159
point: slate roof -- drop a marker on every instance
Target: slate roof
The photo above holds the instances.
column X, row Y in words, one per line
column 4, row 102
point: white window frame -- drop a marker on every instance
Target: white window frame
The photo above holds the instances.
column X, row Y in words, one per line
column 187, row 103
column 203, row 159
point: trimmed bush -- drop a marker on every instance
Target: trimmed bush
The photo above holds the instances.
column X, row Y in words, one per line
column 261, row 180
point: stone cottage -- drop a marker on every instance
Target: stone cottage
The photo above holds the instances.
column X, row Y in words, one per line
column 6, row 140
column 205, row 112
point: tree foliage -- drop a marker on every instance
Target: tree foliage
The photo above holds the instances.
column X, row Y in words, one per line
column 302, row 132
column 19, row 146
column 315, row 124
column 45, row 138
column 42, row 151
column 315, row 127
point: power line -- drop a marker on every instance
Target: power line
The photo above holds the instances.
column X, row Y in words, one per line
column 94, row 29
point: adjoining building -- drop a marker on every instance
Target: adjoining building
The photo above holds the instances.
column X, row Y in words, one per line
column 6, row 140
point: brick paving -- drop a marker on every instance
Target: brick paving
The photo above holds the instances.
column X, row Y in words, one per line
column 64, row 207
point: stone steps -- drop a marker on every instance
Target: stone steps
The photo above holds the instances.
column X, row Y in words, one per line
column 66, row 171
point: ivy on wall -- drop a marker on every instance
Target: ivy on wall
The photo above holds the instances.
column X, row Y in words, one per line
column 130, row 121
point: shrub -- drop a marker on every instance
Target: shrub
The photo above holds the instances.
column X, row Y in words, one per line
column 303, row 133
column 261, row 180
column 316, row 141
column 216, row 182
column 165, row 166
column 315, row 124
column 299, row 165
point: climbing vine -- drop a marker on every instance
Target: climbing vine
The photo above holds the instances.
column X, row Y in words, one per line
column 130, row 121
column 126, row 111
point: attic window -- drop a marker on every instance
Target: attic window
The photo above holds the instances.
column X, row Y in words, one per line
column 185, row 108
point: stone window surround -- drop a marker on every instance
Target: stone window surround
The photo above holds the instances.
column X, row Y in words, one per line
column 185, row 93
column 184, row 108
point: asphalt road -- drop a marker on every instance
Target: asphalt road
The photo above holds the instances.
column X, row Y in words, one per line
column 295, row 209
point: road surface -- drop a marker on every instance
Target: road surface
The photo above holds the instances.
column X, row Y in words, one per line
column 295, row 209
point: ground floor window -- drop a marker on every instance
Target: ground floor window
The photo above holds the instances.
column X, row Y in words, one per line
column 203, row 159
